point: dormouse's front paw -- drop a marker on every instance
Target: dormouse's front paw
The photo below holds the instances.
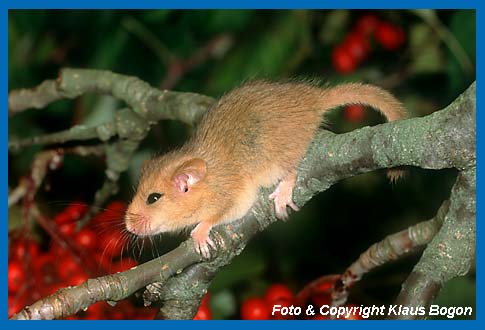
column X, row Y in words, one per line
column 202, row 241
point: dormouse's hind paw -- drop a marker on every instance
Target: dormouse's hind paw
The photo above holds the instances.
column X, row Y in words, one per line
column 202, row 241
column 283, row 196
column 396, row 174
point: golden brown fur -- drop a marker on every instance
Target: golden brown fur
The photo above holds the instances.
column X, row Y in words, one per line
column 253, row 137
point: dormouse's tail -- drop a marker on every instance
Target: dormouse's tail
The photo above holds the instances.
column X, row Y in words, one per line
column 373, row 96
column 370, row 95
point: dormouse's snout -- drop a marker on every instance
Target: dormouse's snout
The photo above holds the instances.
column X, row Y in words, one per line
column 164, row 197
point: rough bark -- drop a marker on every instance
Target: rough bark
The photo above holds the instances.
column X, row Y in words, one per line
column 444, row 139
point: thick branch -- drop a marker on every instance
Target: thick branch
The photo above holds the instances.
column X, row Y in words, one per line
column 444, row 139
column 452, row 251
column 334, row 157
column 147, row 101
column 390, row 248
column 116, row 287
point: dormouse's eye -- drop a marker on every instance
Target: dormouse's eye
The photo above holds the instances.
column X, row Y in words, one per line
column 153, row 197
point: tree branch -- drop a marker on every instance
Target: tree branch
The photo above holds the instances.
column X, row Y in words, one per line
column 146, row 101
column 392, row 247
column 452, row 251
column 444, row 139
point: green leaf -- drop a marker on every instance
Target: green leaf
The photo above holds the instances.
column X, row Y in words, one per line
column 107, row 54
column 334, row 26
column 264, row 54
column 155, row 16
column 463, row 27
column 14, row 218
column 426, row 53
column 223, row 305
column 249, row 264
column 227, row 20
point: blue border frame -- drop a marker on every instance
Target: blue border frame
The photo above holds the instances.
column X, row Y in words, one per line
column 242, row 4
column 261, row 4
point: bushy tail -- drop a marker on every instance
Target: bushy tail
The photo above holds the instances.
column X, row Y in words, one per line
column 369, row 95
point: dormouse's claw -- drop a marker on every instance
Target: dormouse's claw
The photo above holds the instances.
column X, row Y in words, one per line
column 210, row 242
column 219, row 239
column 282, row 214
column 293, row 206
column 205, row 251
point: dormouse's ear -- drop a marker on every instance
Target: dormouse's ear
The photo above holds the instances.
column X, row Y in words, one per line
column 189, row 173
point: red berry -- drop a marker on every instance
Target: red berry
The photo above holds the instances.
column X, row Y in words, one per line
column 342, row 60
column 127, row 308
column 114, row 211
column 44, row 263
column 354, row 113
column 52, row 288
column 276, row 292
column 255, row 309
column 283, row 303
column 389, row 36
column 71, row 213
column 146, row 313
column 116, row 207
column 325, row 283
column 16, row 276
column 203, row 313
column 23, row 247
column 321, row 299
column 72, row 317
column 62, row 218
column 352, row 316
column 357, row 46
column 58, row 251
column 67, row 229
column 95, row 311
column 77, row 278
column 68, row 267
column 117, row 314
column 102, row 260
column 76, row 210
column 112, row 243
column 205, row 300
column 86, row 238
column 367, row 24
column 15, row 304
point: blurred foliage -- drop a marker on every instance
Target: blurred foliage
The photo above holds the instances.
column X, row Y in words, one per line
column 334, row 228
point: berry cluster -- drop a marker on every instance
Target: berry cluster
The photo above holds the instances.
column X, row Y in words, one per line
column 261, row 308
column 94, row 250
column 356, row 46
column 204, row 311
column 319, row 293
column 36, row 271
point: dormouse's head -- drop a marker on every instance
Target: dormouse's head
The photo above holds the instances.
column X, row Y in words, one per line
column 169, row 196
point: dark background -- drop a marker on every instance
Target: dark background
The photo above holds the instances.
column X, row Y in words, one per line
column 331, row 231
